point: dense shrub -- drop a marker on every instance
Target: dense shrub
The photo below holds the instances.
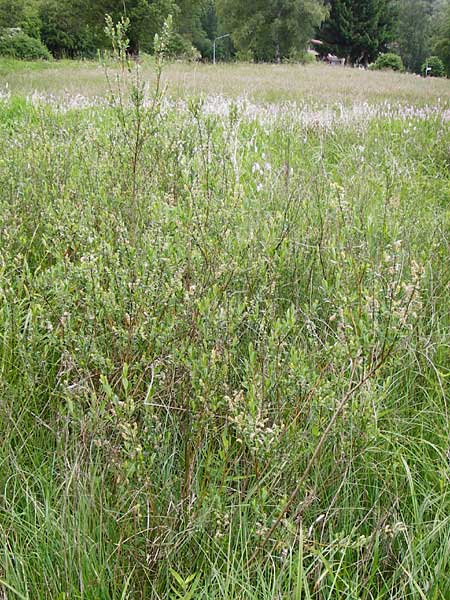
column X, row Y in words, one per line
column 224, row 341
column 180, row 47
column 388, row 61
column 245, row 56
column 14, row 42
column 300, row 57
column 175, row 346
column 435, row 67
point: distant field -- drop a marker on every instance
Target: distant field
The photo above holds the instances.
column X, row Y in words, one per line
column 319, row 84
column 224, row 334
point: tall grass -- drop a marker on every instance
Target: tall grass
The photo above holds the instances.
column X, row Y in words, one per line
column 314, row 84
column 224, row 354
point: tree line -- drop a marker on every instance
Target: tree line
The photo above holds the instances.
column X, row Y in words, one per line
column 259, row 30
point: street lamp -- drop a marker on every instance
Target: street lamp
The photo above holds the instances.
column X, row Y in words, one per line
column 214, row 45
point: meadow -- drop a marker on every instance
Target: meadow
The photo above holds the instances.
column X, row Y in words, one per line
column 224, row 333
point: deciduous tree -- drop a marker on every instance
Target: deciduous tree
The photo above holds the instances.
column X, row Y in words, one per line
column 413, row 35
column 441, row 40
column 271, row 29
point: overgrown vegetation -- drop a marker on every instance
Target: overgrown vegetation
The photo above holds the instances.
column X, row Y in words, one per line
column 433, row 67
column 224, row 347
column 271, row 31
column 388, row 61
column 17, row 44
column 252, row 30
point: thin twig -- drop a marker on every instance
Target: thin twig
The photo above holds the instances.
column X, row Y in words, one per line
column 316, row 453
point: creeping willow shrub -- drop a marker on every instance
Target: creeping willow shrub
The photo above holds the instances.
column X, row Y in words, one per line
column 211, row 298
column 117, row 34
column 136, row 108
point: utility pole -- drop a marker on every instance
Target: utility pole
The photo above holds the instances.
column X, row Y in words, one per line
column 214, row 45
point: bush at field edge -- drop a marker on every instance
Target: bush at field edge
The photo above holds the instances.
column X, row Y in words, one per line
column 17, row 44
column 435, row 66
column 388, row 61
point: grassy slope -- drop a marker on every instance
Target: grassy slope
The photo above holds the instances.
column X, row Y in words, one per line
column 178, row 324
column 316, row 84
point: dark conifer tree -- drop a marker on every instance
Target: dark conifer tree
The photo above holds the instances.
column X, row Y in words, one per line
column 358, row 30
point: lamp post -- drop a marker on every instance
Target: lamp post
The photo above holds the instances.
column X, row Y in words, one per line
column 214, row 45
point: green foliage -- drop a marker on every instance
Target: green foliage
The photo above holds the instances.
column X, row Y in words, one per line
column 66, row 28
column 301, row 57
column 358, row 30
column 117, row 34
column 163, row 42
column 72, row 28
column 23, row 14
column 244, row 56
column 441, row 38
column 11, row 13
column 270, row 31
column 146, row 19
column 414, row 30
column 197, row 25
column 17, row 44
column 388, row 61
column 187, row 297
column 433, row 67
column 261, row 30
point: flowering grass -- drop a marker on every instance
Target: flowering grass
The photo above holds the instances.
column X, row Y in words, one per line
column 224, row 341
column 315, row 84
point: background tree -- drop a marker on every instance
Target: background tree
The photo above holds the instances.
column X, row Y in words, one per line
column 31, row 21
column 414, row 31
column 11, row 13
column 271, row 29
column 358, row 30
column 199, row 24
column 72, row 27
column 212, row 27
column 66, row 27
column 146, row 19
column 441, row 38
